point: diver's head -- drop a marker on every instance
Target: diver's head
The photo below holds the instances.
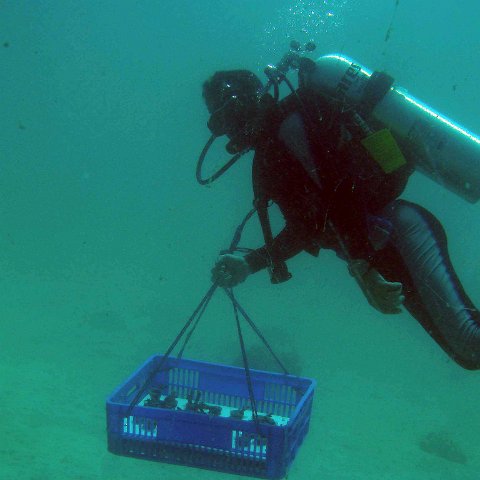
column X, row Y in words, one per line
column 232, row 98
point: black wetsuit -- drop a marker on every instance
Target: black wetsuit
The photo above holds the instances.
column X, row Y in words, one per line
column 327, row 187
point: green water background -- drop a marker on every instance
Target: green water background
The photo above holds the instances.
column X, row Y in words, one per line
column 106, row 240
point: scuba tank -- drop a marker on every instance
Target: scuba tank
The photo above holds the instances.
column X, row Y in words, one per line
column 437, row 146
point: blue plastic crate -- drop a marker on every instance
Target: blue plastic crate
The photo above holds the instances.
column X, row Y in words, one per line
column 209, row 437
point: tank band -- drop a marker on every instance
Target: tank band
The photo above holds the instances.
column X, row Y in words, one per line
column 377, row 87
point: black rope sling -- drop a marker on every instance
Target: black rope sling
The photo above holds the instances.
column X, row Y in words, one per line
column 192, row 323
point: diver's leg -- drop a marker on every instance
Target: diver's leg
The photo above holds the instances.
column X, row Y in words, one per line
column 417, row 256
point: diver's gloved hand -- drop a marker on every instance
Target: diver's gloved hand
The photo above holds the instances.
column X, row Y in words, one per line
column 230, row 270
column 385, row 296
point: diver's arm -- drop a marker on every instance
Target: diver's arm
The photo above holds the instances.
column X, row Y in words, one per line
column 232, row 269
column 291, row 240
column 286, row 244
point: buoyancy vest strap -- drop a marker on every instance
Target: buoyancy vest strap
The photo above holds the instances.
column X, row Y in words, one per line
column 278, row 269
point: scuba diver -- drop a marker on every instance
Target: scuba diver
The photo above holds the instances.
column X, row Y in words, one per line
column 314, row 160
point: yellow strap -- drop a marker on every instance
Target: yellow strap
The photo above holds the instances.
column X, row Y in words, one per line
column 384, row 149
